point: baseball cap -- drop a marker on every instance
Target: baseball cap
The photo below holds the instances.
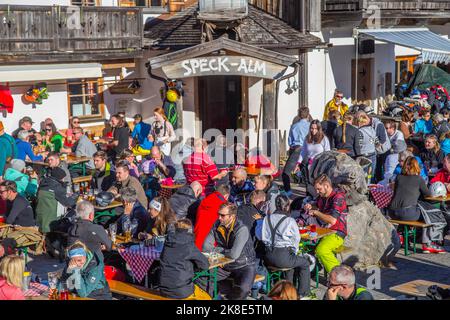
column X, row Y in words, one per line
column 25, row 119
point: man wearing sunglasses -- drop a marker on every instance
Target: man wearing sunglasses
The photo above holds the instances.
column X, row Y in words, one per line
column 342, row 286
column 335, row 104
column 233, row 241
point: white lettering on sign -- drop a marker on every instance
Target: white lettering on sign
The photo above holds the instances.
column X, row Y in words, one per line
column 222, row 65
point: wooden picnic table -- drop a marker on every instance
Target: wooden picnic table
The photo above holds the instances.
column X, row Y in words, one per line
column 108, row 212
column 211, row 273
column 439, row 199
column 416, row 288
column 112, row 205
column 321, row 232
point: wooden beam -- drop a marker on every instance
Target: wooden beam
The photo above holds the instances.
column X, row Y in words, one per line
column 222, row 44
column 118, row 65
column 269, row 116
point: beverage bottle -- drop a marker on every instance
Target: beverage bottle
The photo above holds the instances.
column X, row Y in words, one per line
column 64, row 293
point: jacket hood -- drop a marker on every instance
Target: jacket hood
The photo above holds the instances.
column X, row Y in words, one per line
column 78, row 227
column 179, row 237
column 187, row 191
column 51, row 183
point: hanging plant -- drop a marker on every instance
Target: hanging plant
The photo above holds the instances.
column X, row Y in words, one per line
column 36, row 93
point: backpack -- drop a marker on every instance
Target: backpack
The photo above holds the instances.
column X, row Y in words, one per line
column 381, row 148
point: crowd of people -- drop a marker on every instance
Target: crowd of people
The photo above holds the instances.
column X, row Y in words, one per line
column 217, row 208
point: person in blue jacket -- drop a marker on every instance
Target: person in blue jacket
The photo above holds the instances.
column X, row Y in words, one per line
column 140, row 135
column 401, row 160
column 424, row 125
column 24, row 148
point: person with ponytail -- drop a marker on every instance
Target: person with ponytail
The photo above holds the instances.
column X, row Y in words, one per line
column 162, row 132
column 162, row 219
column 347, row 136
column 281, row 237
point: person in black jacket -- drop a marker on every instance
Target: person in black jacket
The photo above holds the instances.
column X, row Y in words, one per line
column 233, row 241
column 179, row 260
column 347, row 137
column 18, row 209
column 185, row 201
column 330, row 125
column 94, row 236
column 104, row 175
column 432, row 157
column 53, row 199
column 251, row 212
column 441, row 126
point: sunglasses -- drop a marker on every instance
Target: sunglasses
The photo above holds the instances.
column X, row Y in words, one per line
column 340, row 97
column 76, row 122
column 48, row 129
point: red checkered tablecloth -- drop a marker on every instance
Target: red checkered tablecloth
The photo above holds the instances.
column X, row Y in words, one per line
column 139, row 259
column 382, row 195
column 36, row 290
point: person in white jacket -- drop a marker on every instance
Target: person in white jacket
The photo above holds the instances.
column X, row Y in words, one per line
column 281, row 237
column 398, row 144
column 315, row 143
column 162, row 132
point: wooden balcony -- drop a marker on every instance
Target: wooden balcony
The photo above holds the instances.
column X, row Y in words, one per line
column 222, row 10
column 55, row 33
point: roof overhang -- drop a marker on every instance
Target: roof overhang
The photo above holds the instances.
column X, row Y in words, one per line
column 235, row 58
column 434, row 48
column 41, row 72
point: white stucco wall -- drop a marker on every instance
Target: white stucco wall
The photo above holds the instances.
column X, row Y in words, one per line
column 330, row 69
column 55, row 106
column 37, row 2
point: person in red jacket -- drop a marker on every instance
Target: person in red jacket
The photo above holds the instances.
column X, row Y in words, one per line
column 443, row 175
column 207, row 213
column 11, row 273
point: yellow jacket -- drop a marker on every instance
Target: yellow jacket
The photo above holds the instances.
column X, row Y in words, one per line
column 331, row 105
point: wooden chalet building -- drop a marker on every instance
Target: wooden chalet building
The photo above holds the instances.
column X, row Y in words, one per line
column 241, row 67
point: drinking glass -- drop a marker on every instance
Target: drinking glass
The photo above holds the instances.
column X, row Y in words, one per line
column 52, row 280
column 26, row 280
column 133, row 226
column 127, row 230
column 113, row 232
column 159, row 243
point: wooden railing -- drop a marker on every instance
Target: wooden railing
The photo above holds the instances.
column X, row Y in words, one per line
column 38, row 29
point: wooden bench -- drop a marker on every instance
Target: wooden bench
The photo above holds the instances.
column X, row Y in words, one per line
column 272, row 274
column 342, row 250
column 407, row 225
column 82, row 179
column 135, row 291
column 416, row 288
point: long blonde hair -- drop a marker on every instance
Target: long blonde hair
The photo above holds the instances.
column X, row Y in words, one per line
column 12, row 268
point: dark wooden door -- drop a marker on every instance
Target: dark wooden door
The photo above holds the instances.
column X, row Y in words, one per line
column 220, row 102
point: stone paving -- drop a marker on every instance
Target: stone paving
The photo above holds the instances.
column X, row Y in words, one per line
column 431, row 267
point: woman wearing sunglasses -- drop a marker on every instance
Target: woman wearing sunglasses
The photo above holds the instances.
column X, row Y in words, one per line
column 52, row 139
column 74, row 123
column 335, row 104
